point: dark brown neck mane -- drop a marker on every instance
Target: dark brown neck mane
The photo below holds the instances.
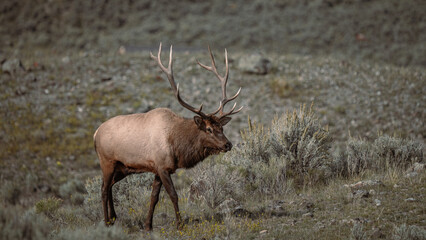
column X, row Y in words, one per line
column 187, row 144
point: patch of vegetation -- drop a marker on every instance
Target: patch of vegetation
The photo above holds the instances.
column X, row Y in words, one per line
column 16, row 223
column 99, row 232
column 410, row 232
column 48, row 206
column 385, row 152
column 295, row 147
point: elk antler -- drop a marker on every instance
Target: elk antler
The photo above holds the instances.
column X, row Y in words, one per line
column 223, row 80
column 169, row 72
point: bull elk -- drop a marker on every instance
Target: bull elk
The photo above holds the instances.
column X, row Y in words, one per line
column 160, row 141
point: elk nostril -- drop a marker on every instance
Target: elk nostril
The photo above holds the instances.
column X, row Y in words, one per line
column 228, row 146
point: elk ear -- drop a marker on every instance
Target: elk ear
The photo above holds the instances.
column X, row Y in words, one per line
column 199, row 121
column 224, row 121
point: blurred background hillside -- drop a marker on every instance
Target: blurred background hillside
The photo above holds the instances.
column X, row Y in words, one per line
column 390, row 31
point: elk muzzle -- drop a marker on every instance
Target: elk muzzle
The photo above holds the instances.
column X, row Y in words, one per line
column 227, row 147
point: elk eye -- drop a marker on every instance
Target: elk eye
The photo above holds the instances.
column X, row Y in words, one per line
column 209, row 130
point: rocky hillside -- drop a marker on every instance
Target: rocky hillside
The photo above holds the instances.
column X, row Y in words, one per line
column 392, row 31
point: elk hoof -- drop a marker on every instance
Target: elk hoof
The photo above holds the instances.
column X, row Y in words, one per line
column 110, row 222
column 180, row 226
column 148, row 227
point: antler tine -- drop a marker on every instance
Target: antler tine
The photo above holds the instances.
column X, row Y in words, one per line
column 223, row 80
column 169, row 70
column 232, row 112
column 169, row 73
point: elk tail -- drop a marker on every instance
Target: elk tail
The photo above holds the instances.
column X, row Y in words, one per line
column 94, row 139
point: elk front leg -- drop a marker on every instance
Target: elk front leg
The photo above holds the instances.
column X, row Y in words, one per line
column 156, row 187
column 168, row 185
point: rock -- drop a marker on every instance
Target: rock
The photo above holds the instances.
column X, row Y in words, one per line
column 44, row 188
column 366, row 183
column 414, row 170
column 12, row 66
column 360, row 194
column 241, row 212
column 228, row 206
column 410, row 199
column 121, row 50
column 276, row 209
column 378, row 202
column 418, row 167
column 361, row 220
column 21, row 90
column 255, row 64
column 411, row 174
column 345, row 221
column 309, row 214
column 66, row 60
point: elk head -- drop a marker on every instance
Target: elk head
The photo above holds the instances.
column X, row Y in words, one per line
column 211, row 124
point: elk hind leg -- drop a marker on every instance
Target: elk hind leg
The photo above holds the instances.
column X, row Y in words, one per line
column 117, row 176
column 106, row 191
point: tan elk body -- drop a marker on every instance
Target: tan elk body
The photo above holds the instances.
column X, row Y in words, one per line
column 160, row 142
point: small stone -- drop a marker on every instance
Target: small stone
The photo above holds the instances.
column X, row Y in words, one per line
column 122, row 50
column 66, row 60
column 345, row 221
column 12, row 66
column 410, row 200
column 366, row 183
column 418, row 167
column 372, row 192
column 309, row 214
column 411, row 174
column 378, row 202
column 255, row 63
column 361, row 194
column 228, row 206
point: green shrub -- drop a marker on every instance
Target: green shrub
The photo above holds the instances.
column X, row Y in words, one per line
column 393, row 151
column 295, row 147
column 384, row 152
column 339, row 166
column 10, row 192
column 255, row 146
column 300, row 139
column 92, row 198
column 215, row 182
column 410, row 232
column 359, row 156
column 48, row 206
column 72, row 190
column 15, row 224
